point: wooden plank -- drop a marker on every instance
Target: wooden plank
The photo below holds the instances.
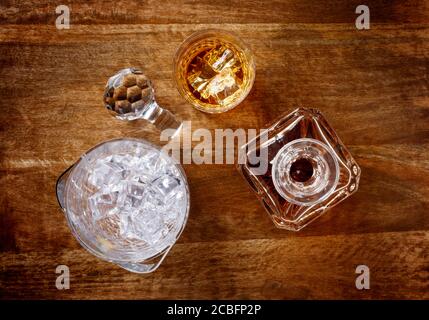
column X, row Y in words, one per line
column 291, row 268
column 209, row 12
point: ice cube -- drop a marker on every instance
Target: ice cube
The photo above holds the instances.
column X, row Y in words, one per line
column 163, row 164
column 153, row 200
column 143, row 177
column 148, row 225
column 150, row 221
column 220, row 58
column 200, row 76
column 214, row 75
column 213, row 62
column 166, row 185
column 170, row 215
column 123, row 165
column 147, row 163
column 103, row 203
column 104, row 174
column 115, row 165
column 136, row 189
column 221, row 86
column 118, row 159
column 149, row 167
column 128, row 202
column 153, row 238
column 173, row 205
column 131, row 197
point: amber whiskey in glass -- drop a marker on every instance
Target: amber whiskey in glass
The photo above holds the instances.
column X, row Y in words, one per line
column 309, row 169
column 214, row 70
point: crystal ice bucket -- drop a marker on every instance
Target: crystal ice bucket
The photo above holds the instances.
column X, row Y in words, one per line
column 126, row 201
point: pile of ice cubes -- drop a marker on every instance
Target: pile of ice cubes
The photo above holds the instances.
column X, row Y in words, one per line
column 142, row 194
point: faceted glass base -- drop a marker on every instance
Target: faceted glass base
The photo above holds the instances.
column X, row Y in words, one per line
column 303, row 179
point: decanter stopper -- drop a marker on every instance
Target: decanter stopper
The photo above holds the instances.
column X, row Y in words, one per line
column 129, row 95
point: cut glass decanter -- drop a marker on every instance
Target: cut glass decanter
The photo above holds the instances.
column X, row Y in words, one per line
column 309, row 170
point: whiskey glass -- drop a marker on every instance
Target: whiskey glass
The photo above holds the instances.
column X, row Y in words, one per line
column 308, row 169
column 126, row 202
column 214, row 70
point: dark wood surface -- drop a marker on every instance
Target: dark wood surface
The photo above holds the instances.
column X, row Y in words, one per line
column 372, row 85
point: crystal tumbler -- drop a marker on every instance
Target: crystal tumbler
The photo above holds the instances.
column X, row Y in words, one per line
column 308, row 169
column 214, row 70
column 125, row 201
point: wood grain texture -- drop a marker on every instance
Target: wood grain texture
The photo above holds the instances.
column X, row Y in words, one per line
column 208, row 11
column 372, row 85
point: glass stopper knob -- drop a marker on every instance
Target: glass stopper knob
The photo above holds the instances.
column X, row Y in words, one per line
column 129, row 95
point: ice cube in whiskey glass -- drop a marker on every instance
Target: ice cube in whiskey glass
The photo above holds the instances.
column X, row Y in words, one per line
column 308, row 169
column 214, row 70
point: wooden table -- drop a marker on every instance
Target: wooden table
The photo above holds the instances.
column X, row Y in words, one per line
column 372, row 85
